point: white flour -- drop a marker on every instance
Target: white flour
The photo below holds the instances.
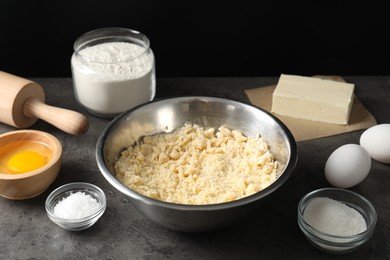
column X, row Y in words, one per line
column 112, row 77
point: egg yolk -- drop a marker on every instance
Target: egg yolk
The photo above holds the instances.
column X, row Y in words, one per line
column 25, row 161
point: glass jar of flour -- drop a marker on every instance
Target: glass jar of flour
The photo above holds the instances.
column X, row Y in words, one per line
column 113, row 70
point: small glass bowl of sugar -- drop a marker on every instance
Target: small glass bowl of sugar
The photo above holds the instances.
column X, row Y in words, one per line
column 76, row 206
column 336, row 220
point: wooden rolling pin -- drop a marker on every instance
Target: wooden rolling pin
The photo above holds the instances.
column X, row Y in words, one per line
column 22, row 103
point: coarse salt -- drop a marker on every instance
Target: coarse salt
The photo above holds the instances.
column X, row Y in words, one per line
column 76, row 206
column 334, row 217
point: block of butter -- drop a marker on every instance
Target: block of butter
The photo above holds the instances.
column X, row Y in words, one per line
column 314, row 99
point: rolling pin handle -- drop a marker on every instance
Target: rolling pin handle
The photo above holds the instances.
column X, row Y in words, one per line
column 67, row 120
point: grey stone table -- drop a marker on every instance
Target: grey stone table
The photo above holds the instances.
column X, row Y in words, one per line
column 270, row 232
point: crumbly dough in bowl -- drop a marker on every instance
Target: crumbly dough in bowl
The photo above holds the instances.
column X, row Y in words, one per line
column 197, row 166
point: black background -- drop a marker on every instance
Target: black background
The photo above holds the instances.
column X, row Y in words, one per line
column 196, row 38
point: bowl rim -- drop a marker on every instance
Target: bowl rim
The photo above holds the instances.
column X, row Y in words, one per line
column 353, row 238
column 69, row 187
column 57, row 153
column 99, row 154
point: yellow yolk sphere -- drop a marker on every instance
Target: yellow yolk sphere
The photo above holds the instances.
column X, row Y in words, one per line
column 25, row 161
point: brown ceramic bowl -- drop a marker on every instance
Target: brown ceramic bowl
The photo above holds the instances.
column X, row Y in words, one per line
column 30, row 184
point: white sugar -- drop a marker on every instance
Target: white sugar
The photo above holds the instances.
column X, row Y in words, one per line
column 75, row 206
column 334, row 217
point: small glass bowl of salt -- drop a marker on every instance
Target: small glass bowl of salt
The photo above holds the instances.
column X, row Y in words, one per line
column 336, row 220
column 76, row 206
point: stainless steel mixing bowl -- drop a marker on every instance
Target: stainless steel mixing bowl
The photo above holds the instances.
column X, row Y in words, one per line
column 169, row 114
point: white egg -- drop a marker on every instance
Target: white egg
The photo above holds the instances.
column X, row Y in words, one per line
column 347, row 166
column 376, row 140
